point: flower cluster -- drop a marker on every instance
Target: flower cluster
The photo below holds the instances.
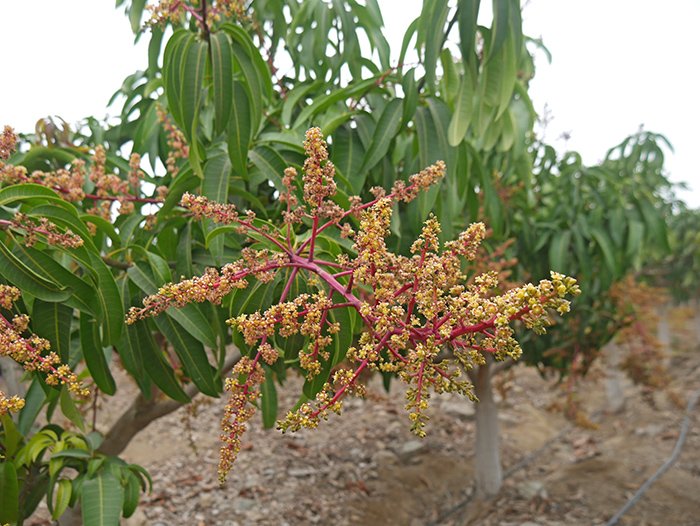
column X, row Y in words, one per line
column 70, row 182
column 424, row 316
column 212, row 286
column 239, row 409
column 49, row 232
column 173, row 11
column 31, row 351
column 177, row 144
column 8, row 142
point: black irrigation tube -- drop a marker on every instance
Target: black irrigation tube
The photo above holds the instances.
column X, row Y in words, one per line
column 665, row 466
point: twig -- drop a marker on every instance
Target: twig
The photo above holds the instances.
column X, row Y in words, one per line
column 685, row 425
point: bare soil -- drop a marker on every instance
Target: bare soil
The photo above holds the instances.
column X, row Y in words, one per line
column 366, row 468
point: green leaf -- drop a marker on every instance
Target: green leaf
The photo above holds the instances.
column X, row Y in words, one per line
column 347, row 153
column 239, row 130
column 101, row 500
column 28, row 192
column 387, row 127
column 33, row 402
column 192, row 355
column 52, row 321
column 12, row 437
column 64, row 488
column 464, row 104
column 222, row 77
column 192, row 75
column 270, row 163
column 434, row 32
column 110, row 302
column 635, row 237
column 499, row 30
column 559, row 251
column 135, row 12
column 269, row 400
column 294, row 96
column 323, row 102
column 94, row 355
column 141, row 343
column 467, row 17
column 217, row 171
column 605, row 245
column 24, row 278
column 69, row 409
column 9, row 493
column 132, row 493
column 175, row 49
column 343, row 339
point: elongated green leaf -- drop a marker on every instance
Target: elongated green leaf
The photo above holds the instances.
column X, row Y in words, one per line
column 215, row 186
column 269, row 400
column 83, row 294
column 270, row 163
column 33, row 402
column 94, row 354
column 635, row 237
column 433, row 31
column 324, row 102
column 343, row 339
column 387, row 128
column 294, row 97
column 20, row 275
column 462, row 115
column 63, row 492
column 347, row 153
column 222, row 77
column 508, row 77
column 239, row 130
column 9, row 493
column 52, row 321
column 141, row 342
column 499, row 31
column 192, row 72
column 110, row 302
column 605, row 245
column 559, row 251
column 132, row 492
column 26, row 192
column 172, row 59
column 467, row 17
column 69, row 409
column 135, row 12
column 251, row 84
column 192, row 355
column 101, row 500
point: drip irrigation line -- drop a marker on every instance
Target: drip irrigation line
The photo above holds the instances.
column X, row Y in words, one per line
column 685, row 426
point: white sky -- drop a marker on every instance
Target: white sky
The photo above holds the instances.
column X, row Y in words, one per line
column 616, row 65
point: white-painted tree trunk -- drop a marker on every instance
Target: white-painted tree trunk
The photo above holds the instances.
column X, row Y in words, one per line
column 488, row 471
column 663, row 329
column 613, row 377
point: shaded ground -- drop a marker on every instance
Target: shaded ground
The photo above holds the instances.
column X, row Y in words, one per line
column 366, row 468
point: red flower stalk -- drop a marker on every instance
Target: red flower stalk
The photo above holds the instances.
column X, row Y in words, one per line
column 423, row 317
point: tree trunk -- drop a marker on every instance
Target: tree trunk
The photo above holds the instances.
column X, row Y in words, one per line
column 613, row 377
column 489, row 474
column 663, row 329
